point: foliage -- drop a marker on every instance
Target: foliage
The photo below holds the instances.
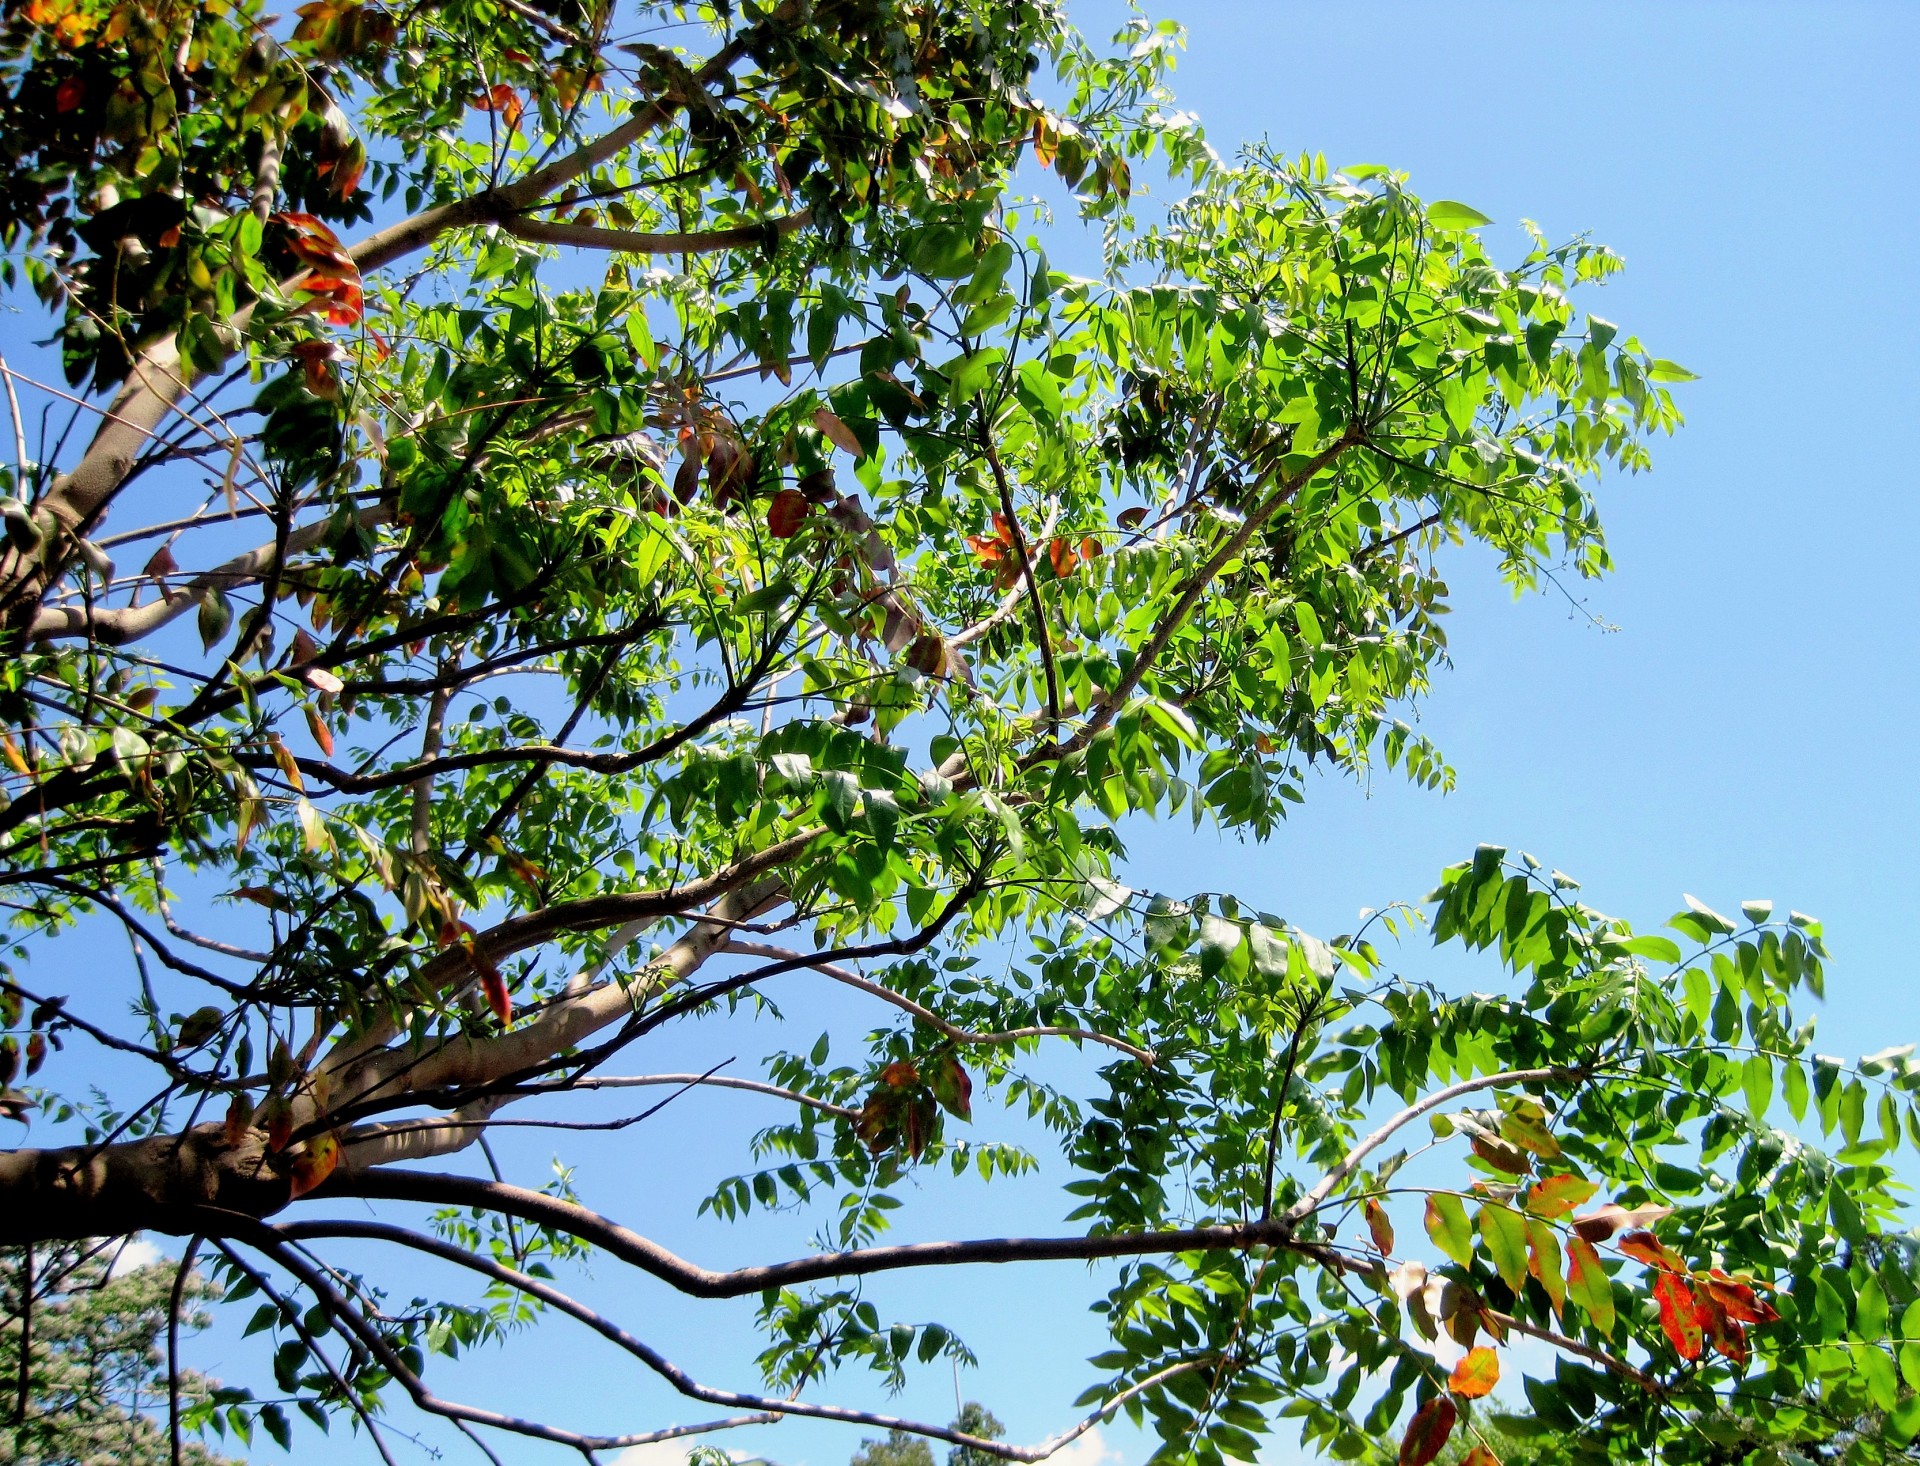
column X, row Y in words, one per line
column 691, row 505
column 900, row 1448
column 97, row 1359
column 975, row 1419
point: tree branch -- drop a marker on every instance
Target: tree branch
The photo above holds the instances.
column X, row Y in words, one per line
column 926, row 1015
column 116, row 627
column 623, row 241
column 1026, row 574
column 1351, row 1161
column 437, row 1189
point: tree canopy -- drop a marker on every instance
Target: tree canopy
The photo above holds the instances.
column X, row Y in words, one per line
column 635, row 537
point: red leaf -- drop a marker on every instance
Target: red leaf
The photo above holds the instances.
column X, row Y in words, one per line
column 239, row 1118
column 1647, row 1248
column 492, row 981
column 279, row 1123
column 787, row 513
column 1475, row 1375
column 1502, row 1155
column 1679, row 1315
column 69, row 94
column 900, row 1073
column 1427, row 1432
column 1380, row 1226
column 1061, row 552
column 1131, row 518
column 1736, row 1299
column 686, row 479
column 1726, row 1336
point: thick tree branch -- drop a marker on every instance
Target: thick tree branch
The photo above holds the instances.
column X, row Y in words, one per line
column 624, row 241
column 684, row 1383
column 437, row 1189
column 116, row 627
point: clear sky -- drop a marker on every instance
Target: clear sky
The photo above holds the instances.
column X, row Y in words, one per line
column 1745, row 728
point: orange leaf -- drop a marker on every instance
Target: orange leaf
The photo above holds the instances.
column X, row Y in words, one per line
column 1479, row 1456
column 1647, row 1248
column 322, row 734
column 899, row 1074
column 1427, row 1432
column 315, row 1164
column 836, row 431
column 500, row 98
column 1679, row 1315
column 1557, row 1195
column 1380, row 1226
column 1046, row 140
column 1060, row 552
column 1475, row 1375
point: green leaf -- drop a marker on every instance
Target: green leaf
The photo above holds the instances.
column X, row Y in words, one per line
column 1447, row 1225
column 1660, row 949
column 1883, row 1380
column 1505, row 1233
column 1756, row 1078
column 1670, row 371
column 1713, row 919
column 1451, row 215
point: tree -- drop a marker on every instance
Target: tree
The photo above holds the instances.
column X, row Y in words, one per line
column 900, row 1448
column 97, row 1359
column 975, row 1419
column 903, row 1448
column 640, row 474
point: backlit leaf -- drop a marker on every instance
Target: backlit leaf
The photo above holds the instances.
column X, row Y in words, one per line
column 1427, row 1432
column 1476, row 1374
column 1554, row 1196
column 1447, row 1225
column 1379, row 1226
column 1588, row 1284
column 1679, row 1315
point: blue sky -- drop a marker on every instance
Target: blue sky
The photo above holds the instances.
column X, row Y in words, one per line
column 1743, row 729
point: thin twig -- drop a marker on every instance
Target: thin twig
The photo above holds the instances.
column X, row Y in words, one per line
column 1026, row 572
